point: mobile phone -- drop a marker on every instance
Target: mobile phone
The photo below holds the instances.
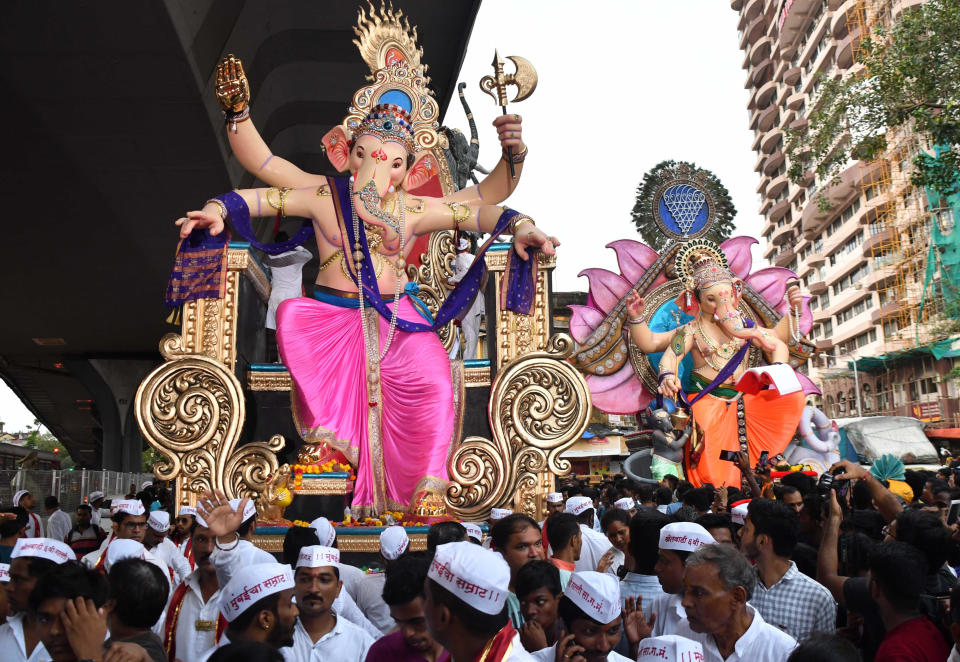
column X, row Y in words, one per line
column 730, row 456
column 954, row 512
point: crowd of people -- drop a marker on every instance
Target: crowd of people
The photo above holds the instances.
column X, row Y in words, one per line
column 845, row 568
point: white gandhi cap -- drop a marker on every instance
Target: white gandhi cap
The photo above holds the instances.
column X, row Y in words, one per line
column 477, row 576
column 684, row 537
column 251, row 584
column 393, row 542
column 669, row 648
column 596, row 594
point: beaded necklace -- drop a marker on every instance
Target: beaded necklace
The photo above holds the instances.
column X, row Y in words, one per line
column 373, row 356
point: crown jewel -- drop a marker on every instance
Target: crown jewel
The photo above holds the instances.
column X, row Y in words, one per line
column 389, row 123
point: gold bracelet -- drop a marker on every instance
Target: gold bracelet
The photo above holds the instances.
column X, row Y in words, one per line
column 518, row 157
column 520, row 220
column 461, row 212
column 221, row 206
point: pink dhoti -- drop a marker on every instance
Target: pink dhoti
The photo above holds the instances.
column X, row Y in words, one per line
column 399, row 435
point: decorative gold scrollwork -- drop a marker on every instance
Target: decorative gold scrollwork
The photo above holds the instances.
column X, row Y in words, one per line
column 432, row 277
column 191, row 410
column 539, row 405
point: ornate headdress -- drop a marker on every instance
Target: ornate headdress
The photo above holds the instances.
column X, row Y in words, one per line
column 398, row 81
column 700, row 263
column 389, row 123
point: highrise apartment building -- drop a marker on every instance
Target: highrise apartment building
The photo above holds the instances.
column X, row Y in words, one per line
column 862, row 259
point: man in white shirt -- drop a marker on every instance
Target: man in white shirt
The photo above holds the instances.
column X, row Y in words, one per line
column 319, row 633
column 58, row 522
column 470, row 322
column 95, row 500
column 258, row 606
column 158, row 544
column 190, row 623
column 595, row 545
column 31, row 558
column 182, row 528
column 718, row 583
column 466, row 591
column 517, row 539
column 129, row 523
column 25, row 500
column 678, row 540
column 593, row 619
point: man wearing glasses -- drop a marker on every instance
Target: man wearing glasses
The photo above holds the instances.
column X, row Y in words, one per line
column 129, row 523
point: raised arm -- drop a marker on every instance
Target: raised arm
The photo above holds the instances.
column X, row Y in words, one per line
column 233, row 95
column 648, row 341
column 828, row 565
column 446, row 214
column 498, row 185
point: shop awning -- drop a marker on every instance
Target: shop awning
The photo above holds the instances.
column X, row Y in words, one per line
column 938, row 350
column 597, row 446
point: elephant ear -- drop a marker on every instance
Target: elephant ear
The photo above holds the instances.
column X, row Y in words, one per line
column 337, row 143
column 423, row 170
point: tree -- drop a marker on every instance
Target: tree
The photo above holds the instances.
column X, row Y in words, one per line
column 40, row 439
column 642, row 213
column 910, row 81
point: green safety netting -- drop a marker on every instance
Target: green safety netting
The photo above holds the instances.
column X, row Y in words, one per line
column 944, row 256
column 938, row 350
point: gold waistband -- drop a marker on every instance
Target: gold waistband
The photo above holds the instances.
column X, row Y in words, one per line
column 346, row 295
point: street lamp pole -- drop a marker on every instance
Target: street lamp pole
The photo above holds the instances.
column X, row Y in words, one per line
column 856, row 385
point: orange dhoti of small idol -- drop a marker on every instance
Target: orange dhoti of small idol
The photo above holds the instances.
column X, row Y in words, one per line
column 771, row 420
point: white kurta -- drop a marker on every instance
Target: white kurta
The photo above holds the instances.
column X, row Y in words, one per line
column 286, row 279
column 470, row 322
column 345, row 643
column 594, row 546
column 170, row 554
column 192, row 643
column 365, row 602
column 670, row 613
column 13, row 644
column 761, row 641
column 58, row 525
column 34, row 528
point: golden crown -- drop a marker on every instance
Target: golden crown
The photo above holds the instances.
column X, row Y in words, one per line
column 701, row 262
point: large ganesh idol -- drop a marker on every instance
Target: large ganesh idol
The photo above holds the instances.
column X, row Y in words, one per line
column 685, row 324
column 371, row 378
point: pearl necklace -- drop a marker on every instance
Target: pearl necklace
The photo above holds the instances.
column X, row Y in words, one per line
column 725, row 351
column 375, row 357
column 794, row 315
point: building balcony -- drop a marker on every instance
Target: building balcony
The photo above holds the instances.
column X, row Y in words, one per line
column 770, row 139
column 777, row 184
column 821, row 315
column 901, row 6
column 795, row 22
column 838, row 24
column 799, row 124
column 845, row 50
column 875, row 244
column 892, row 309
column 791, row 76
column 817, row 287
column 735, row 5
column 752, row 32
column 766, row 119
column 760, row 50
column 765, row 205
column 762, row 186
column 778, row 211
column 784, row 257
column 750, row 10
column 783, row 234
column 772, row 162
column 816, row 259
column 796, row 100
column 765, row 94
column 880, row 277
column 824, row 344
column 760, row 73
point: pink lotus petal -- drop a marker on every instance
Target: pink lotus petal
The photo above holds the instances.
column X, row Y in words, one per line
column 606, row 288
column 771, row 283
column 619, row 393
column 809, row 388
column 583, row 321
column 633, row 257
column 737, row 250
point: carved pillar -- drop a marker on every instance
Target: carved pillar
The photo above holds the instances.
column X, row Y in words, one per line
column 517, row 335
column 191, row 408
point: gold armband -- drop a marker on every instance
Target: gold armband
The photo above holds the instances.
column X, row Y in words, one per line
column 460, row 212
column 281, row 196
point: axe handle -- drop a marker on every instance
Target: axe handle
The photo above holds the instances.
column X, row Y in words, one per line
column 513, row 172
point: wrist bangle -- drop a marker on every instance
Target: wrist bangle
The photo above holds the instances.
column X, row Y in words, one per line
column 520, row 220
column 518, row 157
column 232, row 118
column 662, row 376
column 640, row 319
column 223, row 208
column 227, row 549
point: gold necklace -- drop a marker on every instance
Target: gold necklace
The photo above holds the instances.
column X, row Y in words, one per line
column 722, row 351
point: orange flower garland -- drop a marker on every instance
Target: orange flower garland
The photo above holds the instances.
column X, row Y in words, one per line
column 331, row 466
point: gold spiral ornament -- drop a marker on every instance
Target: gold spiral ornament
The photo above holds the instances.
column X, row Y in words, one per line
column 539, row 405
